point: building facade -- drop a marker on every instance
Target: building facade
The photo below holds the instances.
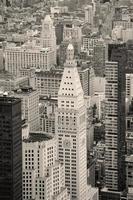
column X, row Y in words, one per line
column 71, row 129
column 26, row 57
column 48, row 82
column 115, row 88
column 10, row 149
column 48, row 36
column 43, row 174
column 99, row 58
column 29, row 106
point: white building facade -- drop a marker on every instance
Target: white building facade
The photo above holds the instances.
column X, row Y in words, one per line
column 71, row 130
column 25, row 57
column 43, row 175
column 48, row 37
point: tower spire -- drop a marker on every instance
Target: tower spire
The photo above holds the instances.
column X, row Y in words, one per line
column 70, row 56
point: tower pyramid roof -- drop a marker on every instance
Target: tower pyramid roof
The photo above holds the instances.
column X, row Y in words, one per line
column 70, row 86
column 70, row 47
column 48, row 19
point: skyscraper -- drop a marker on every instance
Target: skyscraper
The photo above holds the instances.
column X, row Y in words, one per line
column 71, row 129
column 10, row 149
column 99, row 58
column 115, row 118
column 89, row 14
column 48, row 37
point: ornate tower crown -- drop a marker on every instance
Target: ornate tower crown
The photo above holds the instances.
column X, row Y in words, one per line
column 70, row 62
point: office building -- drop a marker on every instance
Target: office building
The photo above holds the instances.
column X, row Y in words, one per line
column 63, row 47
column 72, row 32
column 43, row 174
column 62, row 52
column 71, row 129
column 89, row 14
column 10, row 149
column 89, row 43
column 59, row 32
column 109, row 195
column 87, row 78
column 26, row 57
column 112, row 126
column 48, row 37
column 48, row 82
column 47, row 110
column 129, row 171
column 1, row 59
column 99, row 58
column 125, row 24
column 29, row 106
column 130, row 194
column 8, row 82
column 115, row 174
column 129, row 85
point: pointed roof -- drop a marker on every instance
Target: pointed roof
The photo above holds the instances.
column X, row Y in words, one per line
column 48, row 20
column 70, row 87
column 70, row 47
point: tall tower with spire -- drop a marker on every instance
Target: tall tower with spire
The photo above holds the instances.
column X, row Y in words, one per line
column 48, row 37
column 71, row 129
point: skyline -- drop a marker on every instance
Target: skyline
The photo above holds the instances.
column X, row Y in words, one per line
column 66, row 100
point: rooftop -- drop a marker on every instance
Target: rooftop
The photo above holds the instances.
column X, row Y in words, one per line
column 38, row 137
column 5, row 75
column 8, row 100
column 24, row 90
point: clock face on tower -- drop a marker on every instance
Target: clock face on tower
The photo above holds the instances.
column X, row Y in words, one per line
column 67, row 143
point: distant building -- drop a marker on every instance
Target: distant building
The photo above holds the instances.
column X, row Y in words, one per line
column 87, row 78
column 63, row 47
column 48, row 36
column 48, row 82
column 130, row 194
column 59, row 32
column 30, row 55
column 58, row 10
column 43, row 174
column 89, row 14
column 8, row 82
column 47, row 114
column 88, row 44
column 123, row 23
column 129, row 171
column 62, row 52
column 11, row 149
column 1, row 59
column 29, row 106
column 27, row 57
column 99, row 58
column 129, row 85
column 72, row 32
column 109, row 195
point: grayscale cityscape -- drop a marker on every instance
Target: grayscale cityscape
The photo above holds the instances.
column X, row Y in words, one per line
column 66, row 99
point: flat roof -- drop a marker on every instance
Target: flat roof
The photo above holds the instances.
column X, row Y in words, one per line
column 38, row 137
column 8, row 100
